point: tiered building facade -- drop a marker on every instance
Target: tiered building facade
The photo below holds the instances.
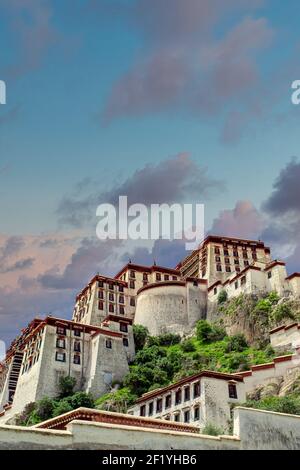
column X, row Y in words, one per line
column 97, row 345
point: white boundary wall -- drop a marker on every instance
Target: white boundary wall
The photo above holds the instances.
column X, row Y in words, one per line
column 253, row 429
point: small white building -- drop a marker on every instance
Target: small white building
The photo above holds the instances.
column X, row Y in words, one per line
column 201, row 399
column 53, row 347
column 286, row 336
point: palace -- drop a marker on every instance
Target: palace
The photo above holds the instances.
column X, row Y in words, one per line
column 96, row 346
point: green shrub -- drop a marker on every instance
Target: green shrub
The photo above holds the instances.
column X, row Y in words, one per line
column 118, row 401
column 283, row 311
column 289, row 404
column 222, row 297
column 44, row 408
column 81, row 399
column 66, row 386
column 207, row 333
column 188, row 346
column 212, row 430
column 236, row 343
column 63, row 406
column 169, row 339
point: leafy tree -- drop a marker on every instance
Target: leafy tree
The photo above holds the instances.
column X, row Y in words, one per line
column 289, row 404
column 44, row 408
column 66, row 386
column 140, row 334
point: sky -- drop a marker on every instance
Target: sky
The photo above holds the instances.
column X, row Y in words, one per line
column 173, row 101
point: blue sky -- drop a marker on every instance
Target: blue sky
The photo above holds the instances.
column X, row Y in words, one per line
column 97, row 90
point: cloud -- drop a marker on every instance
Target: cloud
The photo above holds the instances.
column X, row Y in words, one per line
column 183, row 65
column 11, row 246
column 31, row 23
column 176, row 179
column 285, row 197
column 19, row 265
column 91, row 257
column 243, row 221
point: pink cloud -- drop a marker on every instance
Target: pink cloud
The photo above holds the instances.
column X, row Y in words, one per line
column 242, row 221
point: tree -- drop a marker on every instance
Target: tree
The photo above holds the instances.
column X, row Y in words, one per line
column 188, row 346
column 44, row 408
column 81, row 399
column 62, row 407
column 140, row 334
column 66, row 386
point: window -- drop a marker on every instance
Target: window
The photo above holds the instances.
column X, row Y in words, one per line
column 100, row 305
column 143, row 410
column 125, row 342
column 186, row 416
column 195, row 283
column 232, row 391
column 111, row 286
column 219, row 267
column 166, row 277
column 196, row 413
column 197, row 389
column 77, row 346
column 111, row 297
column 60, row 357
column 159, row 405
column 238, row 269
column 243, row 281
column 121, row 288
column 228, row 269
column 269, row 274
column 121, row 310
column 145, row 277
column 100, row 283
column 132, row 301
column 60, row 343
column 254, row 256
column 150, row 411
column 174, row 278
column 76, row 359
column 227, row 260
column 132, row 285
column 168, row 401
column 178, row 397
column 215, row 291
column 121, row 299
column 218, row 259
column 226, row 253
column 108, row 344
column 235, row 253
column 77, row 333
column 132, row 274
column 186, row 393
column 236, row 261
column 61, row 330
column 217, row 250
column 158, row 276
column 236, row 284
column 123, row 327
column 245, row 255
column 246, row 263
column 111, row 308
column 177, row 417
